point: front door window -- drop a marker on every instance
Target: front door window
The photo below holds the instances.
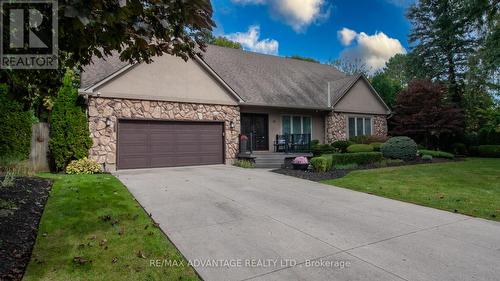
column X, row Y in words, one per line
column 255, row 126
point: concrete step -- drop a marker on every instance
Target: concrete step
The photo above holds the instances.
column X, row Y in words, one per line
column 267, row 166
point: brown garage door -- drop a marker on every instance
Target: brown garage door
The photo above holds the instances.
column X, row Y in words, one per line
column 150, row 144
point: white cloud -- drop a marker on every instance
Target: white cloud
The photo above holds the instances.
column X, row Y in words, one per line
column 346, row 36
column 373, row 50
column 299, row 14
column 250, row 41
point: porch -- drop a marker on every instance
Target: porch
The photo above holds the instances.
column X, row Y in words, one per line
column 272, row 160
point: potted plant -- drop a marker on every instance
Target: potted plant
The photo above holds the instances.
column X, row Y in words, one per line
column 243, row 144
column 300, row 163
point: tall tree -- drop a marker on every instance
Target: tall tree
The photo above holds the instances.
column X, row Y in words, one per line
column 423, row 113
column 444, row 40
column 351, row 66
column 386, row 87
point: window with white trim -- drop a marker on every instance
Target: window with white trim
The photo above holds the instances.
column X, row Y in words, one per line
column 296, row 124
column 359, row 126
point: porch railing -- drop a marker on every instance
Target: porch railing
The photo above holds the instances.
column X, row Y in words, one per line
column 292, row 143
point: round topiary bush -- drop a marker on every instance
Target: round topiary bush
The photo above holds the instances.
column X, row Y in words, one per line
column 399, row 148
column 341, row 145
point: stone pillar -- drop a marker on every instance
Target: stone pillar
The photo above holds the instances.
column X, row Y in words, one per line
column 335, row 127
column 380, row 126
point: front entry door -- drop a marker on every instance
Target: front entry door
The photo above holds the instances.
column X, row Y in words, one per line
column 256, row 126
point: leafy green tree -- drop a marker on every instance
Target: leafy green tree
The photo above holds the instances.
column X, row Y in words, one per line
column 297, row 57
column 386, row 87
column 138, row 29
column 15, row 135
column 69, row 131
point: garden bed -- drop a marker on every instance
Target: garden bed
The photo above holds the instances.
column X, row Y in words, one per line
column 338, row 173
column 21, row 207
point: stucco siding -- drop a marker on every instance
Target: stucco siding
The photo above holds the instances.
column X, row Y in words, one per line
column 360, row 99
column 168, row 78
column 275, row 114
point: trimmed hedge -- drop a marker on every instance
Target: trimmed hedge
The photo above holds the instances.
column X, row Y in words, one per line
column 488, row 150
column 435, row 154
column 321, row 149
column 342, row 145
column 376, row 145
column 359, row 148
column 399, row 148
column 368, row 139
column 15, row 133
column 321, row 163
column 360, row 158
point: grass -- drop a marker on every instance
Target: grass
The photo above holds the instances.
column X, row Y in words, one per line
column 470, row 187
column 93, row 229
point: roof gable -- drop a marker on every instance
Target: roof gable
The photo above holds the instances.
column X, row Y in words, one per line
column 360, row 97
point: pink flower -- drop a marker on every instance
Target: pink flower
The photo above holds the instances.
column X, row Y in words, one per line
column 243, row 138
column 300, row 160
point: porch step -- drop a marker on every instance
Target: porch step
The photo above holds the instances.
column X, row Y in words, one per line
column 272, row 160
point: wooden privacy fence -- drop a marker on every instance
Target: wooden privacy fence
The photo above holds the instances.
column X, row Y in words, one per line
column 39, row 147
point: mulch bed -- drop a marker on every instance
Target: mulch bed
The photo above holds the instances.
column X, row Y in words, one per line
column 21, row 208
column 335, row 174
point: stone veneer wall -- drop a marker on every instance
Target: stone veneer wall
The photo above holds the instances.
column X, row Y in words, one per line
column 104, row 113
column 336, row 126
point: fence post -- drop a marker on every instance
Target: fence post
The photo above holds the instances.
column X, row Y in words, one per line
column 39, row 147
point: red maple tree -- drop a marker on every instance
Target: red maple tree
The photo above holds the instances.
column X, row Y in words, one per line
column 423, row 113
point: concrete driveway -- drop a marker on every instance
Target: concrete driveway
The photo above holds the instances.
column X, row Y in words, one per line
column 251, row 224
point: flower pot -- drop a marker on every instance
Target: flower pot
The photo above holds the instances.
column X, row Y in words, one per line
column 301, row 167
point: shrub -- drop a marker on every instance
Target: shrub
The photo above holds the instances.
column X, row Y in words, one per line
column 69, row 130
column 459, row 148
column 376, row 145
column 367, row 139
column 8, row 180
column 360, row 158
column 387, row 162
column 341, row 145
column 399, row 148
column 323, row 149
column 346, row 166
column 436, row 154
column 83, row 166
column 17, row 167
column 247, row 164
column 489, row 150
column 15, row 133
column 319, row 164
column 427, row 157
column 359, row 148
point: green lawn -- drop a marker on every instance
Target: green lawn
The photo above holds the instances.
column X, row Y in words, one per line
column 470, row 187
column 93, row 229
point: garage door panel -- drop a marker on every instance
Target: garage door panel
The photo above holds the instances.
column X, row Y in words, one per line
column 145, row 144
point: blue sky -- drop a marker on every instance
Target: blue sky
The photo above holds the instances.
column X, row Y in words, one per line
column 374, row 29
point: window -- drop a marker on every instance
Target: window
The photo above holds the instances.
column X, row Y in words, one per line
column 359, row 126
column 296, row 124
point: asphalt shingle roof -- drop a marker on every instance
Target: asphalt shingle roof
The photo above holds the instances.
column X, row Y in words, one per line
column 272, row 80
column 258, row 79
